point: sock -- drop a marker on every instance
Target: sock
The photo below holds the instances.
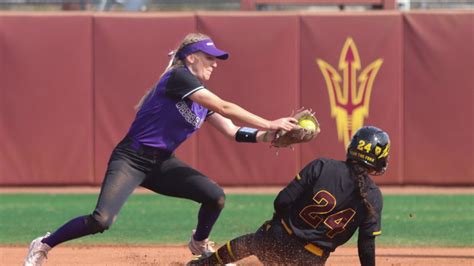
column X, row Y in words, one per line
column 207, row 217
column 73, row 229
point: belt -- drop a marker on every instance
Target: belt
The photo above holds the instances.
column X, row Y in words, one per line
column 309, row 247
column 145, row 150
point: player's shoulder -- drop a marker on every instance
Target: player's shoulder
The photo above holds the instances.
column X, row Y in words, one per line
column 326, row 165
column 373, row 192
column 373, row 186
column 326, row 160
column 329, row 163
column 181, row 82
column 182, row 72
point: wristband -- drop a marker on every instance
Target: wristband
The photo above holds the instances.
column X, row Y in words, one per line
column 246, row 134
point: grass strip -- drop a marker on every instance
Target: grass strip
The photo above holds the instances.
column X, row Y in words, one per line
column 408, row 220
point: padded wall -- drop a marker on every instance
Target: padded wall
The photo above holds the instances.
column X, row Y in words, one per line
column 439, row 98
column 68, row 85
column 46, row 99
column 374, row 37
column 3, row 147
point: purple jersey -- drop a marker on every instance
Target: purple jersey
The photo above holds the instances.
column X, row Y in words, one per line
column 168, row 117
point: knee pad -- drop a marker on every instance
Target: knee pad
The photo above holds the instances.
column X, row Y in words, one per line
column 98, row 224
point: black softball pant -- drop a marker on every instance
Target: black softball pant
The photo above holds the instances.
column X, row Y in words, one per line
column 131, row 166
column 271, row 244
column 162, row 173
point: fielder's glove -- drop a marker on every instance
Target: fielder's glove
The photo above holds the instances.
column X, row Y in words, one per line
column 306, row 130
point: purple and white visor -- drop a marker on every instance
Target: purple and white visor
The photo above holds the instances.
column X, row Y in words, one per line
column 207, row 46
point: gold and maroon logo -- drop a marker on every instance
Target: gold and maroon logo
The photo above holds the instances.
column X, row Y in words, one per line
column 349, row 92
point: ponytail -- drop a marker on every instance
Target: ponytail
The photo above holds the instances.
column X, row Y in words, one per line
column 174, row 61
column 362, row 178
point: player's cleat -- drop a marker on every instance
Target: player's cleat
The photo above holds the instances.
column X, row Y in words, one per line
column 37, row 252
column 197, row 260
column 203, row 247
column 202, row 261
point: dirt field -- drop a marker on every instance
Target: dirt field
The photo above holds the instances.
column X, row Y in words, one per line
column 179, row 255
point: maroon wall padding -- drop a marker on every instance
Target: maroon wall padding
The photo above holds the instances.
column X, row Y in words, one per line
column 3, row 125
column 46, row 100
column 377, row 36
column 131, row 52
column 439, row 85
column 69, row 84
column 262, row 76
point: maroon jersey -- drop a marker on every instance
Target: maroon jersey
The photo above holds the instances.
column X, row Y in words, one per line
column 322, row 205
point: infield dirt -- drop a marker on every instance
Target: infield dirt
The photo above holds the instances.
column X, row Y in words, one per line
column 179, row 255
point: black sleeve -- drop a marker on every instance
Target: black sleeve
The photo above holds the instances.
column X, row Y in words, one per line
column 372, row 226
column 303, row 180
column 182, row 83
column 366, row 248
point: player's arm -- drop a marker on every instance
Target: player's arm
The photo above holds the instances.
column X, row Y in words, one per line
column 236, row 113
column 227, row 127
column 366, row 248
column 286, row 197
column 302, row 181
column 370, row 228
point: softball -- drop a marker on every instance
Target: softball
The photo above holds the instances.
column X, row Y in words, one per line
column 307, row 124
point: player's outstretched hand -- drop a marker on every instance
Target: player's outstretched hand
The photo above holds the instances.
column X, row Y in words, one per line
column 285, row 123
column 306, row 129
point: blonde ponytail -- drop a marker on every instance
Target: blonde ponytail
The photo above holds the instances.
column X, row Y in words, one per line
column 174, row 62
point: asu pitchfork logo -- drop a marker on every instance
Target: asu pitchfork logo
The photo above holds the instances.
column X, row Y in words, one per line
column 349, row 95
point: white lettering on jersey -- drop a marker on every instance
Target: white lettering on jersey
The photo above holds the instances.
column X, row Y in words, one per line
column 188, row 114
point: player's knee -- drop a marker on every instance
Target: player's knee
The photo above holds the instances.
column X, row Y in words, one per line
column 99, row 223
column 216, row 201
column 219, row 199
column 220, row 202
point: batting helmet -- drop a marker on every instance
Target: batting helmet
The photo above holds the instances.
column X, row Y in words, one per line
column 370, row 146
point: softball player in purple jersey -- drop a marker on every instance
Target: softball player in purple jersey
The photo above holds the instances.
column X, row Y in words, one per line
column 167, row 115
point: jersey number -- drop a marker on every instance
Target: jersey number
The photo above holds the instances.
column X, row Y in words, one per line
column 363, row 146
column 326, row 202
